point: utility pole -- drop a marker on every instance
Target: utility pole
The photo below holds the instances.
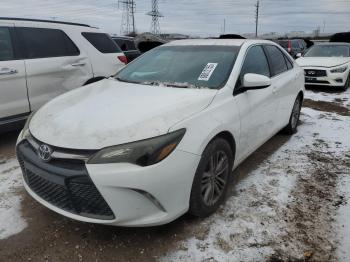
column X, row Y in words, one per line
column 155, row 14
column 224, row 25
column 257, row 6
column 128, row 18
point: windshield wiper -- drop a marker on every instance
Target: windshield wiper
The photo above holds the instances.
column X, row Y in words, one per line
column 127, row 81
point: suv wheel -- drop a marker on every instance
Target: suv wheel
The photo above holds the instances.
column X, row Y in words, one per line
column 211, row 179
column 292, row 126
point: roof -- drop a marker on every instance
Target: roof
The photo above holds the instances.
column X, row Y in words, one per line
column 227, row 42
column 41, row 21
column 334, row 43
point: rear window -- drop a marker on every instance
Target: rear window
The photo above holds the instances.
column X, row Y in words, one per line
column 283, row 43
column 6, row 50
column 276, row 59
column 43, row 43
column 102, row 42
column 125, row 44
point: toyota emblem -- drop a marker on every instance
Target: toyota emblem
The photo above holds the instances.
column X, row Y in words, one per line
column 45, row 152
column 312, row 72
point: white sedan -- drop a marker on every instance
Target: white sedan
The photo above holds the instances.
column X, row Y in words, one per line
column 162, row 137
column 327, row 64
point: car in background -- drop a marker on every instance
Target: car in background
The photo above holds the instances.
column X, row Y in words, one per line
column 128, row 46
column 162, row 137
column 327, row 64
column 293, row 46
column 340, row 37
column 42, row 59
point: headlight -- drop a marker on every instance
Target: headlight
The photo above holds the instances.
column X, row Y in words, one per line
column 25, row 130
column 339, row 69
column 143, row 153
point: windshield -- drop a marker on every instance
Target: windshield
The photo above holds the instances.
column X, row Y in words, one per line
column 328, row 51
column 182, row 66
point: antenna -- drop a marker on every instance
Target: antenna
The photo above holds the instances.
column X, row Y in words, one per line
column 155, row 14
column 128, row 26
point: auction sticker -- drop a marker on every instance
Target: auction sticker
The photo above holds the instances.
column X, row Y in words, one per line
column 207, row 71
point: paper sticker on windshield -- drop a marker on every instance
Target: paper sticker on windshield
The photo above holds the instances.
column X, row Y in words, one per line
column 207, row 71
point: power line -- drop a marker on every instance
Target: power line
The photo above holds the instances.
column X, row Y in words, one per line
column 155, row 14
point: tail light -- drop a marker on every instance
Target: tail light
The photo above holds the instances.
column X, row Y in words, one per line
column 123, row 59
column 289, row 46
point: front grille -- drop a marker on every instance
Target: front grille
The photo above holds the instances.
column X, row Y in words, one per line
column 67, row 188
column 315, row 72
column 315, row 81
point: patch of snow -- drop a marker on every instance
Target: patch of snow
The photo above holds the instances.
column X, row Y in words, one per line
column 11, row 220
column 252, row 221
column 342, row 98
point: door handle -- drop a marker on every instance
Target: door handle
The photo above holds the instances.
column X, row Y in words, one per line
column 79, row 64
column 274, row 89
column 8, row 71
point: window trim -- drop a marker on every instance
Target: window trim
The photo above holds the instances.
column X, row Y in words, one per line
column 23, row 46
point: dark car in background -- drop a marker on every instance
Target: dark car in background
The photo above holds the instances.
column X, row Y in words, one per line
column 293, row 46
column 128, row 46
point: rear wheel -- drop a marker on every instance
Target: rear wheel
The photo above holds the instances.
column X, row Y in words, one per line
column 211, row 179
column 292, row 126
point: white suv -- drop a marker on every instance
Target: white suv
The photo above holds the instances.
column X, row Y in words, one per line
column 41, row 59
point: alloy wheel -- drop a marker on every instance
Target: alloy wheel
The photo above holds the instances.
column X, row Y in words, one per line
column 214, row 178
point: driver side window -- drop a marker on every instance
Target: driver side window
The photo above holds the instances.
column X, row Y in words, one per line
column 255, row 63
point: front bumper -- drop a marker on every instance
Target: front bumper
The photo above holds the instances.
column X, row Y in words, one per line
column 135, row 196
column 329, row 79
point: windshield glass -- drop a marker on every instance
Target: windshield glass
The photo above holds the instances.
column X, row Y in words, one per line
column 328, row 51
column 182, row 66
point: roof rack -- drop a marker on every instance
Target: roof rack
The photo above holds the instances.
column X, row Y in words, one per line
column 43, row 21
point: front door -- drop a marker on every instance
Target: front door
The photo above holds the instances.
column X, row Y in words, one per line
column 258, row 108
column 13, row 90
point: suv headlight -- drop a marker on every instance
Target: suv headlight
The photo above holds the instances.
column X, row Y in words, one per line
column 339, row 69
column 143, row 153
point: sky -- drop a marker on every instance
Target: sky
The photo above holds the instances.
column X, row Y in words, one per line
column 194, row 17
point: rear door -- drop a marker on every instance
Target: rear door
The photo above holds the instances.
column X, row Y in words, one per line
column 257, row 107
column 283, row 84
column 13, row 91
column 53, row 62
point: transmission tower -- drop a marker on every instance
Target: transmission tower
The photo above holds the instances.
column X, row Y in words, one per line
column 155, row 14
column 128, row 26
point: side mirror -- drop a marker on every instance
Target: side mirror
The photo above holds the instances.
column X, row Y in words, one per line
column 255, row 81
column 299, row 55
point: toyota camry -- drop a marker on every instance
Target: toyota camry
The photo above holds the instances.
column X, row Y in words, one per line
column 162, row 137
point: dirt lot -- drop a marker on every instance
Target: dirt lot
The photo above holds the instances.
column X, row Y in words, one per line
column 284, row 205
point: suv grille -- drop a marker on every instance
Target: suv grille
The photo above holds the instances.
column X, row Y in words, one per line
column 315, row 72
column 69, row 189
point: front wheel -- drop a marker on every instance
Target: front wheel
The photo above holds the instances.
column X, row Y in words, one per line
column 347, row 84
column 292, row 126
column 211, row 179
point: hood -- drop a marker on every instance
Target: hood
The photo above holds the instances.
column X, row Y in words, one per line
column 110, row 113
column 322, row 61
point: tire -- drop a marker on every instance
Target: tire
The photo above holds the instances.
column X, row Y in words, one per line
column 213, row 172
column 347, row 84
column 292, row 126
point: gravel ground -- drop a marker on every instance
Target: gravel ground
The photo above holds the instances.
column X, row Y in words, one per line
column 287, row 202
